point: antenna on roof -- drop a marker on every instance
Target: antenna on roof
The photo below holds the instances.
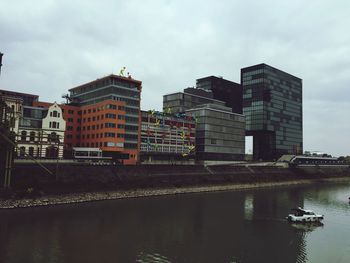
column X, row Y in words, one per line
column 66, row 96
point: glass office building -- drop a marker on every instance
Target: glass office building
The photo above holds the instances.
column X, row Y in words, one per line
column 224, row 90
column 272, row 105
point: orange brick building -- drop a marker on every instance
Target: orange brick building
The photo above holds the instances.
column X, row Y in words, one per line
column 105, row 114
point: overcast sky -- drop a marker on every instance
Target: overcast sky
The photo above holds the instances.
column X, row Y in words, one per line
column 53, row 45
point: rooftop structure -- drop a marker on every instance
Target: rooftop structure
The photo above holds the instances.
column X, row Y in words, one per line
column 224, row 90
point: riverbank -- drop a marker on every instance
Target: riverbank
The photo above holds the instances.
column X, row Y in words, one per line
column 137, row 193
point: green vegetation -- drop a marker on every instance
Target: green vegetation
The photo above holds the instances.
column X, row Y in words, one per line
column 345, row 158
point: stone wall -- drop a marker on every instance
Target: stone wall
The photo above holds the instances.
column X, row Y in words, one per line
column 70, row 178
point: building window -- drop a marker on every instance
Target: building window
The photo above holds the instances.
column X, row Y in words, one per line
column 31, row 151
column 22, row 151
column 23, row 135
column 110, row 125
column 32, row 136
column 12, row 122
column 54, row 125
column 109, row 134
column 51, row 152
column 54, row 114
column 53, row 137
column 111, row 116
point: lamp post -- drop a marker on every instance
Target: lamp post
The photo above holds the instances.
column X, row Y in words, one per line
column 1, row 54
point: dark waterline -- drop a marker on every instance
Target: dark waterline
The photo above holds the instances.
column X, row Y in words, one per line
column 241, row 226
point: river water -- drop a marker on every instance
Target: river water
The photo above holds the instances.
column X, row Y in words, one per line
column 238, row 226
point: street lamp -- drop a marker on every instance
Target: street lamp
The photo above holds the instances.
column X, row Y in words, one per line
column 1, row 54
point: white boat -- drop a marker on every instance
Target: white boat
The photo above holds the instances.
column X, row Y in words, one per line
column 304, row 216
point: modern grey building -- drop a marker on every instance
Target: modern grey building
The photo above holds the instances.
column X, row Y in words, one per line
column 181, row 101
column 272, row 105
column 220, row 133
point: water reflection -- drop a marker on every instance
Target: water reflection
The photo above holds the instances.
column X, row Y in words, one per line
column 151, row 258
column 247, row 226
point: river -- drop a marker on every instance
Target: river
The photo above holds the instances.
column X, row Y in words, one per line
column 227, row 227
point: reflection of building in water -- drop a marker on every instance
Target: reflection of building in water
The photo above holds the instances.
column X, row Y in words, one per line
column 271, row 209
column 201, row 228
column 248, row 207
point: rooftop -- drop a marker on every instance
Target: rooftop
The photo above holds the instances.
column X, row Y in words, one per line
column 128, row 79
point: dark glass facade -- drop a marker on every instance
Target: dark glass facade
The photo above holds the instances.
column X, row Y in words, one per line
column 272, row 105
column 224, row 90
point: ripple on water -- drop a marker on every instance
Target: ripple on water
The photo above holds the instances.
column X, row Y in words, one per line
column 151, row 258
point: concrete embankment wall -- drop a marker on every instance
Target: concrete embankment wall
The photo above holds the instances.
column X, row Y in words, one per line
column 69, row 178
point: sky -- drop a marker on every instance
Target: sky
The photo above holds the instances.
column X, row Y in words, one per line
column 51, row 46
